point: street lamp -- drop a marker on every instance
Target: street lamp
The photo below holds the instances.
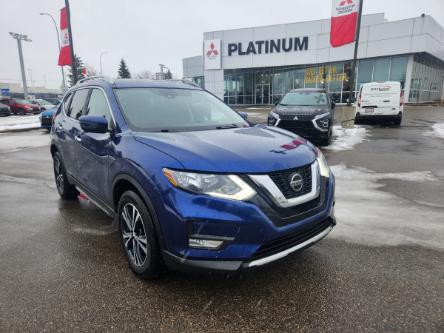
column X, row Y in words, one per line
column 58, row 43
column 100, row 58
column 19, row 38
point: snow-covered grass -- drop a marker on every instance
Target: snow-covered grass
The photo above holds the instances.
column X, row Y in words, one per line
column 347, row 138
column 18, row 123
column 367, row 214
column 437, row 131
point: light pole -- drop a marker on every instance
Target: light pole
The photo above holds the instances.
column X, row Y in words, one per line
column 19, row 38
column 100, row 58
column 58, row 43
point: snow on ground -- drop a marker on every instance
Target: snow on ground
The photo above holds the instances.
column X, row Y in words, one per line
column 347, row 138
column 10, row 142
column 19, row 122
column 366, row 214
column 437, row 131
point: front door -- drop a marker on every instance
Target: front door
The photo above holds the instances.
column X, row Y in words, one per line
column 96, row 148
column 262, row 93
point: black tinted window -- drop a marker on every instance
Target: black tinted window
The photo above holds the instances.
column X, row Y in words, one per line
column 77, row 104
column 98, row 106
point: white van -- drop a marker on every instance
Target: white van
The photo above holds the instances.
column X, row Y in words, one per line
column 380, row 101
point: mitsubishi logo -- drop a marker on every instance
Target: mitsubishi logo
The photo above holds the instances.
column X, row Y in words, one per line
column 295, row 118
column 212, row 52
column 296, row 182
column 346, row 2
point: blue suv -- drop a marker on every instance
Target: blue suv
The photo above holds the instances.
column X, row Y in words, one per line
column 190, row 182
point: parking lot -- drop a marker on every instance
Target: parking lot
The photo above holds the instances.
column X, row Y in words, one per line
column 380, row 269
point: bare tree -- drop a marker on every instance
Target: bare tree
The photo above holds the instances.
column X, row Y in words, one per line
column 145, row 75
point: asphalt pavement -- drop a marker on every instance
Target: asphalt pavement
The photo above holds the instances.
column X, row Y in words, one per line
column 380, row 270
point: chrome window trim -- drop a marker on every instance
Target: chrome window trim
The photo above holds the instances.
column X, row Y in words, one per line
column 279, row 255
column 89, row 87
column 267, row 184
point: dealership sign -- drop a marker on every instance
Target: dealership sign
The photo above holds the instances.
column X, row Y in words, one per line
column 212, row 54
column 269, row 46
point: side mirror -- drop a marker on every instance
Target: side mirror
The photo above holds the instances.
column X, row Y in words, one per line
column 244, row 115
column 333, row 104
column 94, row 124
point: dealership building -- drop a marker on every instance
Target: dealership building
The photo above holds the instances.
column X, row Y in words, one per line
column 258, row 65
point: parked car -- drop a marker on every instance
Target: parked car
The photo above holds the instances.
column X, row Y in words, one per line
column 4, row 110
column 307, row 112
column 380, row 102
column 44, row 104
column 53, row 100
column 21, row 106
column 191, row 183
column 46, row 118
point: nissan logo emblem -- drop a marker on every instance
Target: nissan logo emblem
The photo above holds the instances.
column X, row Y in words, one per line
column 296, row 182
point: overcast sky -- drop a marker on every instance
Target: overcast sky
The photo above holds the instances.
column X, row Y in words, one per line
column 146, row 33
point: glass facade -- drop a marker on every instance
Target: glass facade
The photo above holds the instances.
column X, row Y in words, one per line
column 268, row 85
column 427, row 79
column 200, row 80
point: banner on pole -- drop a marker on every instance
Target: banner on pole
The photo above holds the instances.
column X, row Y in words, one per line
column 344, row 15
column 65, row 51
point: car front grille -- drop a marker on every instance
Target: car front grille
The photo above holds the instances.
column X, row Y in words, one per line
column 293, row 239
column 282, row 180
column 293, row 124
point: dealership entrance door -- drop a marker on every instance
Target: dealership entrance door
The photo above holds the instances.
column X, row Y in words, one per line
column 262, row 93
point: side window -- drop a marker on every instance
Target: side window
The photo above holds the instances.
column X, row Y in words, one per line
column 65, row 103
column 77, row 104
column 98, row 106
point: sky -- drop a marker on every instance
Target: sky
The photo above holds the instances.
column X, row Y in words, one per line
column 146, row 33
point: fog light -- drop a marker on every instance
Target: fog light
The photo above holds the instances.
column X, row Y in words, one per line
column 204, row 243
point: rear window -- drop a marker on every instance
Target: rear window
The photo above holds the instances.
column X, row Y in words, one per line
column 305, row 98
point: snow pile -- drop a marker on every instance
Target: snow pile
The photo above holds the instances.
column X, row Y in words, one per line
column 12, row 142
column 437, row 131
column 347, row 138
column 19, row 122
column 368, row 215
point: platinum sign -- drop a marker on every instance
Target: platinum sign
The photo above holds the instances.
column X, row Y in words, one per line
column 269, row 46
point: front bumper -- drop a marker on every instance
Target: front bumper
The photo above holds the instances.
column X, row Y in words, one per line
column 258, row 231
column 312, row 236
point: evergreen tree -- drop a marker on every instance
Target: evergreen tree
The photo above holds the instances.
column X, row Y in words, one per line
column 168, row 75
column 123, row 70
column 79, row 68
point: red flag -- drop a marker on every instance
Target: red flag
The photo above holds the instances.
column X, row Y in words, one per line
column 65, row 51
column 344, row 14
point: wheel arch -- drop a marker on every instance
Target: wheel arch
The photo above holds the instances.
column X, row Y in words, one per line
column 123, row 183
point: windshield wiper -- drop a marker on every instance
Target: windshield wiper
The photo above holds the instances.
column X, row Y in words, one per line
column 283, row 104
column 227, row 126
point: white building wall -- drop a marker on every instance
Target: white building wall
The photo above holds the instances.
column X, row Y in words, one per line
column 378, row 38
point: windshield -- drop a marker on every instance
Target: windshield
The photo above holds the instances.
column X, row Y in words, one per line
column 166, row 109
column 22, row 101
column 309, row 98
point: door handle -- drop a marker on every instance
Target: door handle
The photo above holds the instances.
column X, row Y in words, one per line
column 78, row 138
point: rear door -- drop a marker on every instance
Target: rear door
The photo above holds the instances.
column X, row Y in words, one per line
column 72, row 154
column 380, row 99
column 96, row 147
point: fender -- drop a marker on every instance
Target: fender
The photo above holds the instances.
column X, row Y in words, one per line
column 146, row 199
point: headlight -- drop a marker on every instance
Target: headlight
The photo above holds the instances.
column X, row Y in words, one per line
column 221, row 186
column 324, row 170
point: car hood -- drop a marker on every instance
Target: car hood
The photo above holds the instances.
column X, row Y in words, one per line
column 239, row 150
column 301, row 109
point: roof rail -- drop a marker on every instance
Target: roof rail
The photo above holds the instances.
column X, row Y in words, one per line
column 186, row 81
column 96, row 77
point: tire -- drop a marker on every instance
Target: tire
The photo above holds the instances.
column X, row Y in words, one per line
column 138, row 237
column 397, row 121
column 324, row 142
column 21, row 112
column 65, row 189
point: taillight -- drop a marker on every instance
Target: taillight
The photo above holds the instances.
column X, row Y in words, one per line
column 359, row 100
column 401, row 100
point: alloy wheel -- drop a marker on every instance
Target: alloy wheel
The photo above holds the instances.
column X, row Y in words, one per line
column 134, row 235
column 60, row 181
